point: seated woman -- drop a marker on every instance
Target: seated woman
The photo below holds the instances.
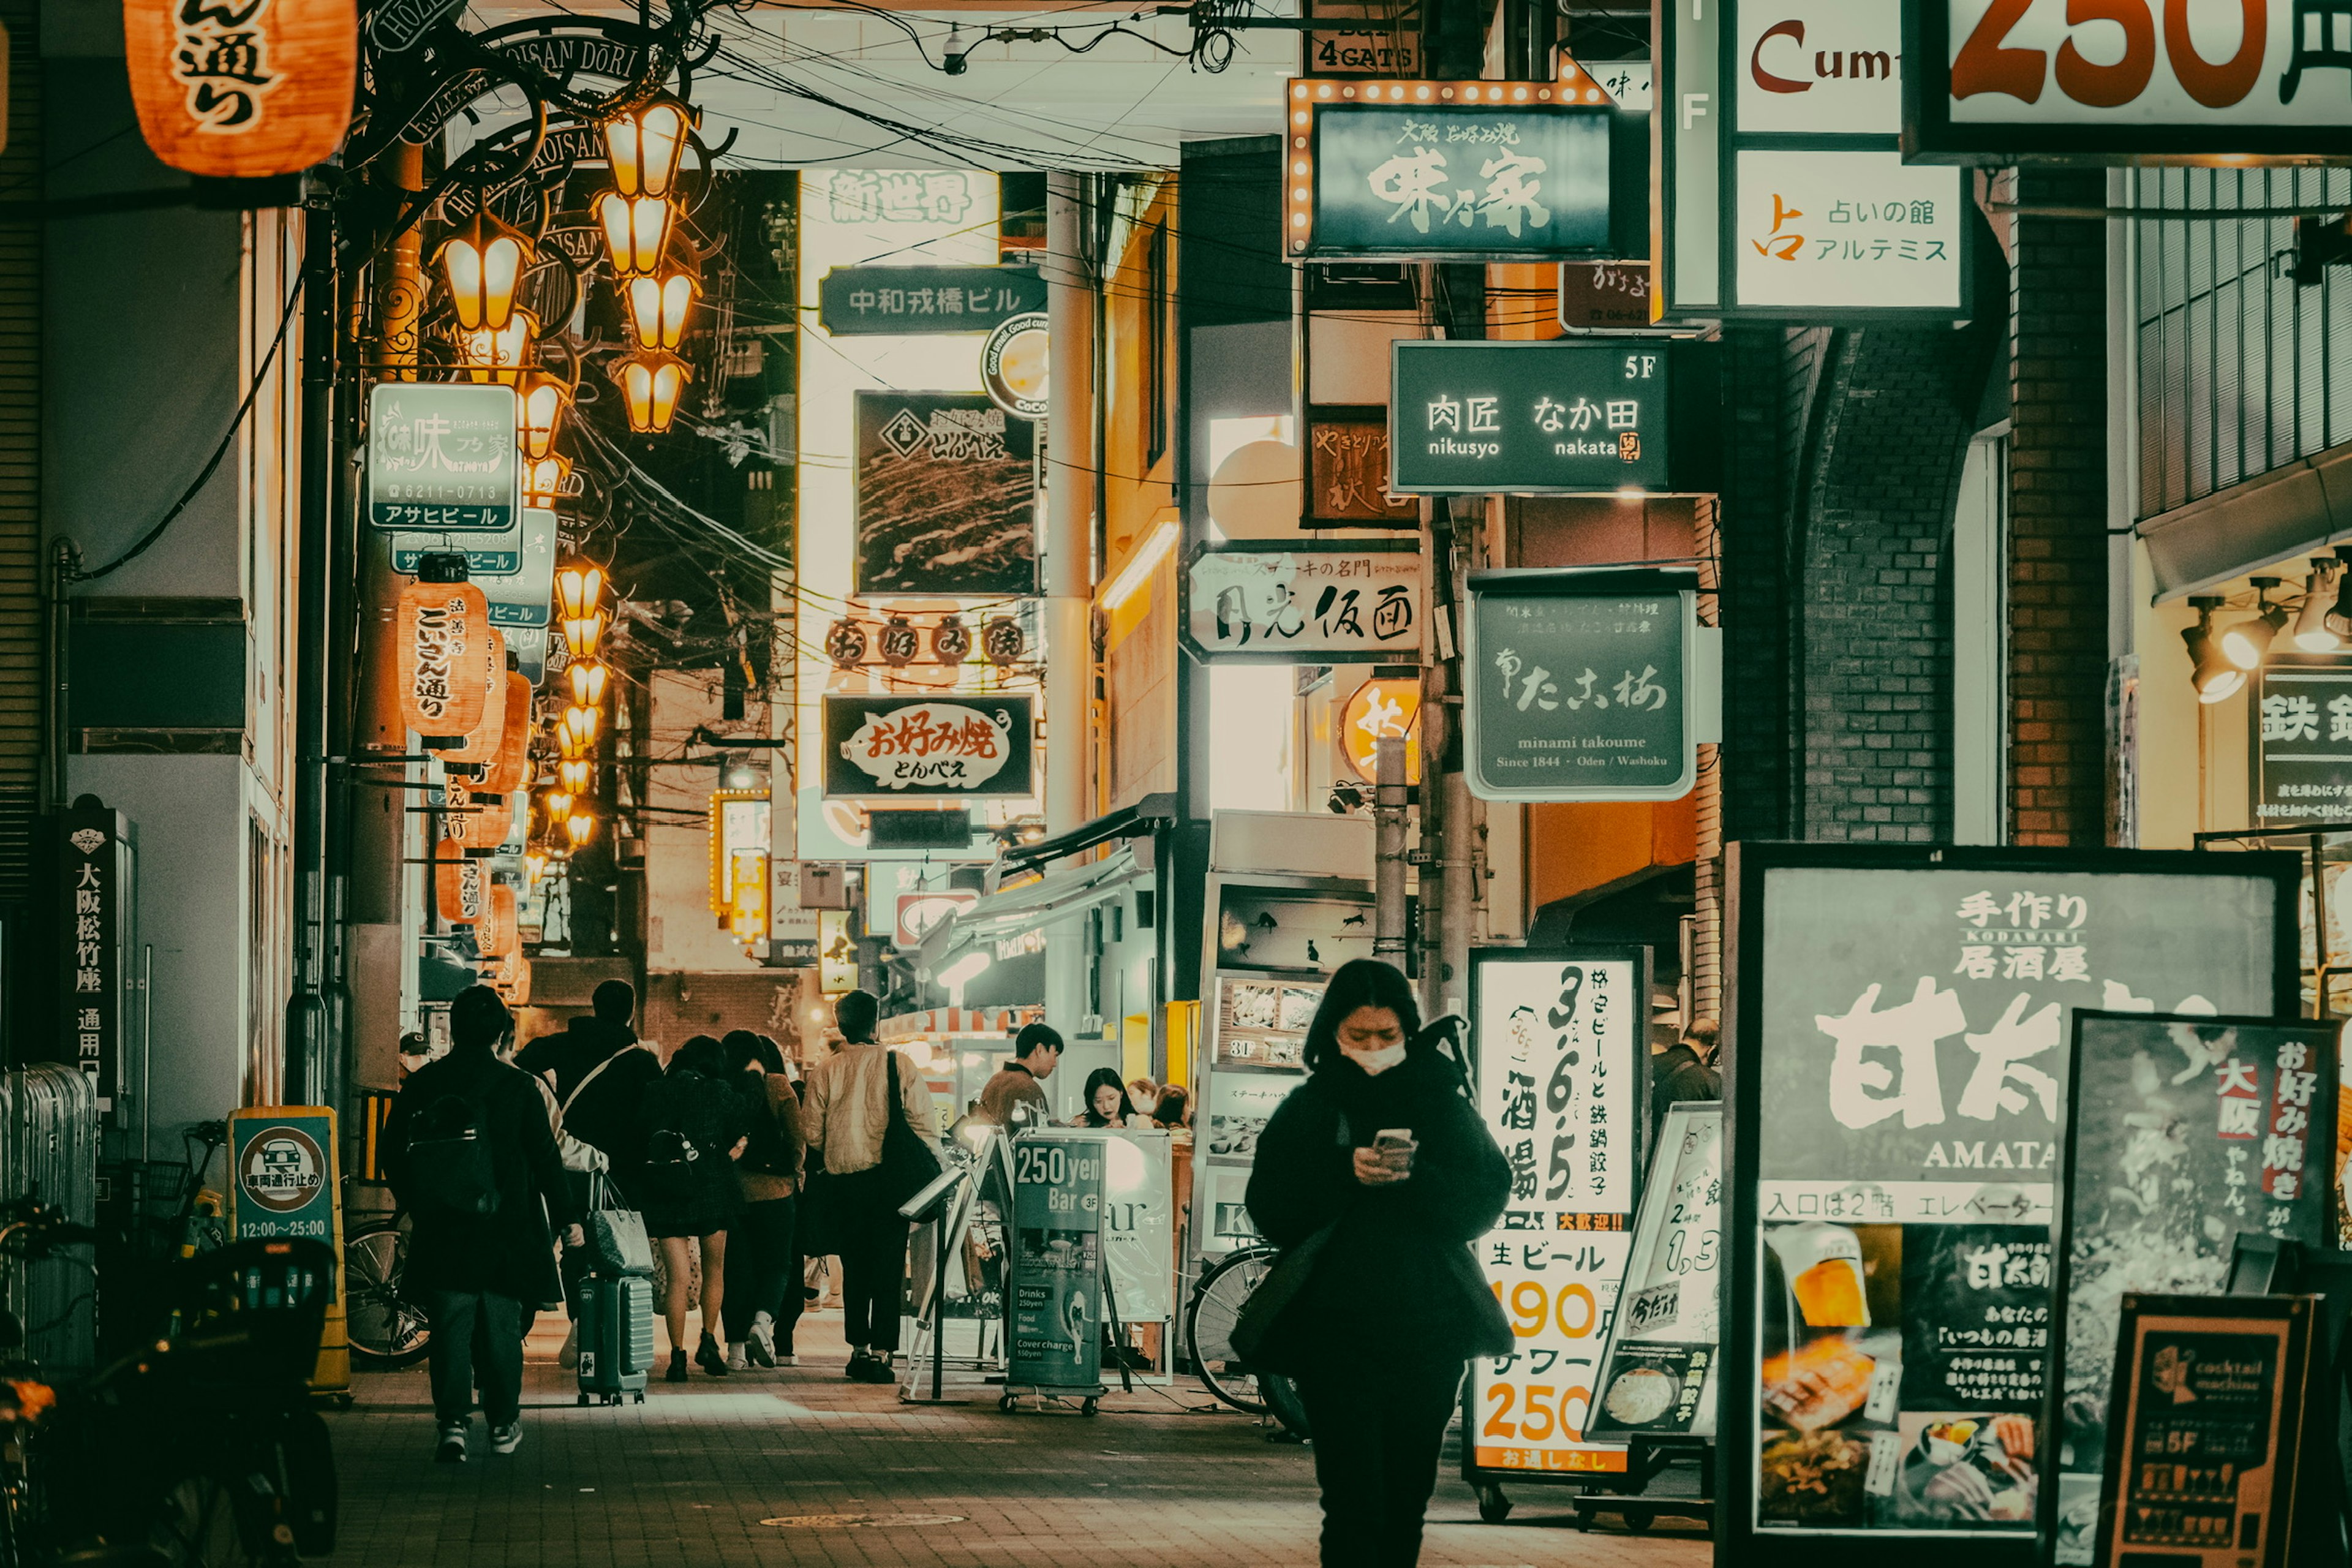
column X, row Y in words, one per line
column 1107, row 1104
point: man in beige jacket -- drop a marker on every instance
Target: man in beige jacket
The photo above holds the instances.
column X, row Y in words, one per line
column 845, row 1110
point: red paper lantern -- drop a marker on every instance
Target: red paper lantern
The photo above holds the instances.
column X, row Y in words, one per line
column 438, row 637
column 458, row 889
column 243, row 90
column 494, row 933
column 512, row 764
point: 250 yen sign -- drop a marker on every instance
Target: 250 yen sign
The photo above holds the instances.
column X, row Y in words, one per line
column 2103, row 53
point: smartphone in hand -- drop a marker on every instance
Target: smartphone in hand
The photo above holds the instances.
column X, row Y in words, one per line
column 1395, row 1146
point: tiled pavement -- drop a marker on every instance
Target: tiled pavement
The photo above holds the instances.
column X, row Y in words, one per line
column 690, row 1476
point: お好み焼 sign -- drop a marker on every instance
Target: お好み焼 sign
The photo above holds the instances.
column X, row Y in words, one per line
column 959, row 744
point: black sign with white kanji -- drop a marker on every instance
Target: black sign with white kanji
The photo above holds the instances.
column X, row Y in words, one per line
column 925, row 301
column 91, row 915
column 2302, row 739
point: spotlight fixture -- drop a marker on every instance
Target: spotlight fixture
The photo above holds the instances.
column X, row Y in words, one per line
column 2249, row 639
column 2212, row 672
column 2313, row 630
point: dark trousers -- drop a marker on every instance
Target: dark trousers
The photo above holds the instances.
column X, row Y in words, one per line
column 1377, row 1441
column 476, row 1342
column 871, row 1240
column 759, row 1252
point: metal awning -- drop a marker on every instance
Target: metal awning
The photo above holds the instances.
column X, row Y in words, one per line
column 940, row 1023
column 2299, row 509
column 1053, row 898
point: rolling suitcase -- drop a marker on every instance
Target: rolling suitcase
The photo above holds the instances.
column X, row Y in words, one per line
column 616, row 1337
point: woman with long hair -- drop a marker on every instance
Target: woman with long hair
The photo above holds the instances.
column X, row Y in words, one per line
column 1106, row 1101
column 760, row 1323
column 1375, row 1176
column 695, row 1132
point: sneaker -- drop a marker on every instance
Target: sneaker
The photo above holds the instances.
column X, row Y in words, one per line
column 787, row 1359
column 735, row 1362
column 760, row 1346
column 506, row 1439
column 875, row 1368
column 452, row 1447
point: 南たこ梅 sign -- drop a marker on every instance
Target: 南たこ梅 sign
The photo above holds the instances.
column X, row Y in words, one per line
column 966, row 745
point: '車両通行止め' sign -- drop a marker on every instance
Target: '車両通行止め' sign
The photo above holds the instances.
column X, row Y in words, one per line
column 968, row 744
column 441, row 458
column 1581, row 685
column 1528, row 418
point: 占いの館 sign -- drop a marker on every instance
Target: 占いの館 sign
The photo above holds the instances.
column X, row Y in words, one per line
column 1581, row 685
column 973, row 744
column 1898, row 1086
column 1528, row 418
column 441, row 458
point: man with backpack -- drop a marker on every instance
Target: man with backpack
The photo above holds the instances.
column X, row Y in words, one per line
column 474, row 1162
column 601, row 1078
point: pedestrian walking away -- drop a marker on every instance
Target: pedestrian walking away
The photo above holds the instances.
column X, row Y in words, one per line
column 474, row 1162
column 696, row 1129
column 763, row 1304
column 848, row 1116
column 1373, row 1177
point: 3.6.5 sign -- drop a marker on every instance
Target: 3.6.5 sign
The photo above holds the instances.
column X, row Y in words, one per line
column 1991, row 81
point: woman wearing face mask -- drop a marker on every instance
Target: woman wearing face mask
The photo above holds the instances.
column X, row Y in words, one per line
column 1377, row 1175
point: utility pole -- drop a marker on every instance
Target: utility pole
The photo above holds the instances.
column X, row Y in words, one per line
column 1388, row 799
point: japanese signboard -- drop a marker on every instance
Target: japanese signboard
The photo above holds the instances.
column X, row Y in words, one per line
column 2184, row 1133
column 1348, row 472
column 1375, row 38
column 2028, row 80
column 1530, row 418
column 925, row 301
column 2210, row 1393
column 2302, row 761
column 1898, row 1075
column 1481, row 172
column 1580, row 685
column 1665, row 1346
column 1256, row 1055
column 1364, row 600
column 93, row 861
column 1055, row 1339
column 792, row 929
column 971, row 744
column 1815, row 230
column 441, row 458
column 947, row 495
column 1604, row 295
column 285, row 1178
column 837, row 953
column 1562, row 1084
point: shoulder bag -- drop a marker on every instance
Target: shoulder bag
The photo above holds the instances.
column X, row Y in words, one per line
column 909, row 1163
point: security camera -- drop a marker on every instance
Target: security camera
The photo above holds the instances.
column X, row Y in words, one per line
column 956, row 64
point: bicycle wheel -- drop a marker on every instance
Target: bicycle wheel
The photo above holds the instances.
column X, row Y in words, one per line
column 386, row 1327
column 1208, row 1320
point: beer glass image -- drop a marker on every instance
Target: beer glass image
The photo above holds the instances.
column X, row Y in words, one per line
column 1823, row 1264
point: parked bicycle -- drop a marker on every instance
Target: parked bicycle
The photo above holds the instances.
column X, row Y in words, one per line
column 387, row 1327
column 1208, row 1320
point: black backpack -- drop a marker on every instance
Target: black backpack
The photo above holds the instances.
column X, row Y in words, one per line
column 450, row 1163
column 686, row 1132
column 767, row 1153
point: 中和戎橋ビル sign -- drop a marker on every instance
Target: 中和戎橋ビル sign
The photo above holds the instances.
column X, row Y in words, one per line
column 441, row 458
column 925, row 301
column 1580, row 684
column 1530, row 418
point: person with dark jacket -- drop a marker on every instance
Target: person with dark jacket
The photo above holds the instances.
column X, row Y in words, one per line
column 1392, row 1282
column 475, row 1270
column 608, row 1111
column 761, row 1313
column 695, row 1128
column 1685, row 1071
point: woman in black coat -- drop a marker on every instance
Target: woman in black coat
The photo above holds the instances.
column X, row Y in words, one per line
column 1393, row 1304
column 696, row 1127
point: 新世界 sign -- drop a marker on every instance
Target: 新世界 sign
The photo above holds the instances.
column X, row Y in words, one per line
column 1527, row 418
column 1581, row 683
column 2032, row 80
column 2302, row 705
column 1361, row 600
column 1492, row 172
column 925, row 301
column 969, row 745
column 441, row 458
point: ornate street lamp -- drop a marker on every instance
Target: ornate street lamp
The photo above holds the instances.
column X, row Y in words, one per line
column 579, row 592
column 482, row 266
column 580, row 828
column 499, row 354
column 650, row 386
column 539, row 414
column 645, row 145
column 543, row 481
column 658, row 308
column 587, row 677
column 581, row 723
column 575, row 774
column 580, row 633
column 636, row 231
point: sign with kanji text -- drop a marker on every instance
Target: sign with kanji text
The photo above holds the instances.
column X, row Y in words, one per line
column 1817, row 229
column 1527, row 418
column 1580, row 684
column 1487, row 172
column 93, row 924
column 441, row 458
column 1563, row 1084
column 1363, row 601
column 967, row 744
column 1658, row 1375
column 2302, row 732
column 925, row 301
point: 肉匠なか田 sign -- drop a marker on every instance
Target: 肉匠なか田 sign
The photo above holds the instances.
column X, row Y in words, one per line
column 2127, row 82
column 947, row 495
column 1562, row 1080
column 441, row 458
column 1058, row 1262
column 1898, row 1092
column 1530, row 418
column 1361, row 600
column 1580, row 684
column 925, row 301
column 2302, row 708
column 1490, row 171
column 969, row 745
column 2184, row 1132
column 1660, row 1367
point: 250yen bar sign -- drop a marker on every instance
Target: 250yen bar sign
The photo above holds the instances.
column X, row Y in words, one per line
column 1582, row 684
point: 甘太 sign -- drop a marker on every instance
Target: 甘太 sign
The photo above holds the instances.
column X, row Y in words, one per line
column 1992, row 81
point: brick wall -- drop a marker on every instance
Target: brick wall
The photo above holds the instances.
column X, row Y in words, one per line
column 2058, row 516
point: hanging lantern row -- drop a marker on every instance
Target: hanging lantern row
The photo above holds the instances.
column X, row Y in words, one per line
column 440, row 627
column 898, row 642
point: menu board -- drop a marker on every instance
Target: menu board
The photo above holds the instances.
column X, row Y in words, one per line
column 1899, row 1069
column 2185, row 1131
column 1256, row 1053
column 1058, row 1261
column 1659, row 1371
column 1563, row 1079
column 2209, row 1392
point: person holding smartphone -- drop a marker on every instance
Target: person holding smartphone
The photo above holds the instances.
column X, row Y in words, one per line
column 1377, row 1175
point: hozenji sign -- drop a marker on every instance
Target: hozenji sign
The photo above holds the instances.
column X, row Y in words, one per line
column 2001, row 81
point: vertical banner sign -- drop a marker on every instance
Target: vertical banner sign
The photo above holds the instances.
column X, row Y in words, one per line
column 1899, row 1079
column 2185, row 1133
column 1563, row 1076
column 2209, row 1393
column 441, row 458
column 1659, row 1372
column 2303, row 744
column 1057, row 1263
column 93, row 925
column 1140, row 1224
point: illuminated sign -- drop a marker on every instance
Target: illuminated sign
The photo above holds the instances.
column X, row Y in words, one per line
column 971, row 743
column 1558, row 418
column 441, row 458
column 925, row 301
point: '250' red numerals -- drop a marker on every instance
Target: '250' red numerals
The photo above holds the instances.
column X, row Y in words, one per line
column 1985, row 64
